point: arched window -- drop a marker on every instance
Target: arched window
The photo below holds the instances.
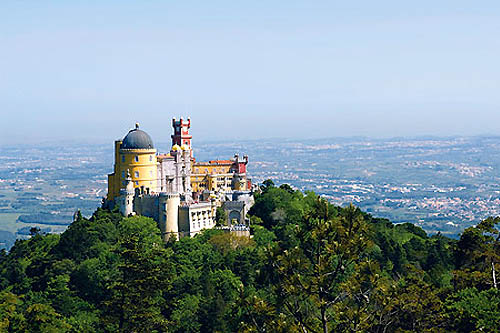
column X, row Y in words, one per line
column 137, row 158
column 136, row 174
column 123, row 158
column 150, row 158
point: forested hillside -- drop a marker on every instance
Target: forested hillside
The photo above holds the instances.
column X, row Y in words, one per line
column 309, row 267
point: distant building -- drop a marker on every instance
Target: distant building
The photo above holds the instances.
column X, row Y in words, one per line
column 178, row 192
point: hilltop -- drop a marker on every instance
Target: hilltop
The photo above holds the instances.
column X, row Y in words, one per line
column 310, row 266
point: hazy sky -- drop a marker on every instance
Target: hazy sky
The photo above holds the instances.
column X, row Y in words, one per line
column 88, row 70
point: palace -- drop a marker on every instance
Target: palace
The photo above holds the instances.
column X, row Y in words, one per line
column 178, row 192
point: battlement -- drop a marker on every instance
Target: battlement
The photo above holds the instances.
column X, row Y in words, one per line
column 181, row 122
column 181, row 134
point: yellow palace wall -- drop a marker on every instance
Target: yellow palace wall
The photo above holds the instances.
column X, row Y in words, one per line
column 142, row 165
column 212, row 176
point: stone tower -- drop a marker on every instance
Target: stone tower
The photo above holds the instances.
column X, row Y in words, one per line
column 181, row 136
column 169, row 215
column 127, row 197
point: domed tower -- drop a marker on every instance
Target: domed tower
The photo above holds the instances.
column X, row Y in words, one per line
column 135, row 154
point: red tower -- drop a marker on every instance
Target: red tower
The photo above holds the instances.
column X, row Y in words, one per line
column 181, row 134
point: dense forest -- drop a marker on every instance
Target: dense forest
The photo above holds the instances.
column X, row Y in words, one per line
column 309, row 267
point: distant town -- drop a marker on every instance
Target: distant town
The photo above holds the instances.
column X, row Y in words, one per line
column 441, row 184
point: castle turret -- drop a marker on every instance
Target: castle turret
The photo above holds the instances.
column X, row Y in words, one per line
column 127, row 197
column 169, row 215
column 181, row 136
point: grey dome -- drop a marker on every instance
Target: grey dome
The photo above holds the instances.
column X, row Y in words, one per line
column 137, row 139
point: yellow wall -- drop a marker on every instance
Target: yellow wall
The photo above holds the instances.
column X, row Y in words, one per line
column 206, row 176
column 207, row 182
column 144, row 171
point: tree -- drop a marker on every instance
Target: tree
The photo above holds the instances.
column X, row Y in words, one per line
column 262, row 236
column 266, row 185
column 144, row 275
column 476, row 254
column 412, row 305
column 470, row 310
column 11, row 316
column 310, row 275
column 218, row 309
column 185, row 314
column 220, row 216
column 43, row 318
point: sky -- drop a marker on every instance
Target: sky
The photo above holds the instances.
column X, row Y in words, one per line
column 87, row 71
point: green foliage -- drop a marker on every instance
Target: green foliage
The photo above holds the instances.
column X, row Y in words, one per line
column 309, row 267
column 415, row 305
column 471, row 310
column 135, row 298
column 262, row 236
column 11, row 319
column 43, row 318
column 311, row 274
column 220, row 216
column 476, row 253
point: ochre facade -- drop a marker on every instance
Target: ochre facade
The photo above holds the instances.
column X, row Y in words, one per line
column 220, row 175
column 141, row 164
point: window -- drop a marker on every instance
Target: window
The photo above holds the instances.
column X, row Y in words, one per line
column 123, row 174
column 136, row 183
column 123, row 183
column 137, row 158
column 151, row 173
column 136, row 174
column 150, row 158
column 123, row 158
